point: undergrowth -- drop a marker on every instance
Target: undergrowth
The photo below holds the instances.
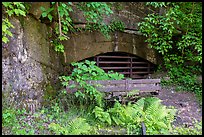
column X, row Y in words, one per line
column 67, row 115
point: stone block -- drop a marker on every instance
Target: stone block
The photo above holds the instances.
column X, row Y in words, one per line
column 35, row 8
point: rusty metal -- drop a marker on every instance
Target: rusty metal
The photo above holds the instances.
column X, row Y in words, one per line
column 129, row 65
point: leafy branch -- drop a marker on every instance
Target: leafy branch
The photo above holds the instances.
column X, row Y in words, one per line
column 60, row 25
column 11, row 9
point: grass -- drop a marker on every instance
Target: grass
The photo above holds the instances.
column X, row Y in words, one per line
column 56, row 121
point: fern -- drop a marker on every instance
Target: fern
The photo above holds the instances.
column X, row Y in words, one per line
column 77, row 126
column 101, row 115
column 157, row 118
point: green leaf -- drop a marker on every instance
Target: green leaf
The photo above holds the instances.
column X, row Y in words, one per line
column 65, row 83
column 4, row 27
column 10, row 12
column 5, row 39
column 61, row 12
column 62, row 38
column 49, row 17
column 42, row 8
column 6, row 4
column 44, row 14
column 72, row 86
column 64, row 5
column 22, row 12
column 9, row 33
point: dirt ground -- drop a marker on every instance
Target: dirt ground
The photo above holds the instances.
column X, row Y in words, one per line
column 186, row 104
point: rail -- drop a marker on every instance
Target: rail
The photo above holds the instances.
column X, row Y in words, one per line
column 122, row 87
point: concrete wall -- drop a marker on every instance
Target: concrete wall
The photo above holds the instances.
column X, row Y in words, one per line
column 131, row 13
column 82, row 45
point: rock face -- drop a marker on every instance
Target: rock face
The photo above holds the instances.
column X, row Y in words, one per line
column 28, row 64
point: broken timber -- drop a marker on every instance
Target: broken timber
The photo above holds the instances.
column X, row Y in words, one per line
column 123, row 87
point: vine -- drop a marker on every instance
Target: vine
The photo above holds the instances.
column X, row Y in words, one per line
column 177, row 36
column 94, row 12
column 176, row 22
column 11, row 8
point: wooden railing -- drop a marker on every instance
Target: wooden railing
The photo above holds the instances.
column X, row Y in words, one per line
column 122, row 87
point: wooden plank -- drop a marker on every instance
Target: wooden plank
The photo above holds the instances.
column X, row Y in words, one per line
column 145, row 81
column 123, row 88
column 105, row 82
column 111, row 89
column 146, row 88
column 126, row 85
column 138, row 81
column 145, row 85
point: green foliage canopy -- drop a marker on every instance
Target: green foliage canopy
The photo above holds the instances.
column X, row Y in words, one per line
column 176, row 33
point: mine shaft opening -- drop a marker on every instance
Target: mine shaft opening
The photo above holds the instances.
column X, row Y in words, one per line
column 130, row 65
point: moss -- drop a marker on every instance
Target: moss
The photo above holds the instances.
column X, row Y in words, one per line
column 49, row 94
column 21, row 19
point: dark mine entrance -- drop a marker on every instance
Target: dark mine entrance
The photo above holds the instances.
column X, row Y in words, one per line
column 128, row 64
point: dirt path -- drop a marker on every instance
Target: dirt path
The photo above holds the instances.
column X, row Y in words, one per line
column 186, row 104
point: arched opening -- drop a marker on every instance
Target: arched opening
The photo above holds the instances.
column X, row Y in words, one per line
column 128, row 64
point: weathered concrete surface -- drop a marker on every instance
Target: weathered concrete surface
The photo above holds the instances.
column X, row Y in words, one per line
column 131, row 13
column 84, row 45
column 28, row 64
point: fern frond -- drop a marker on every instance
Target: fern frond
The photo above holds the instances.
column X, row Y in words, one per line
column 78, row 126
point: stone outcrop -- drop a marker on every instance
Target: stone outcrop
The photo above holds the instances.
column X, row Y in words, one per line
column 29, row 63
